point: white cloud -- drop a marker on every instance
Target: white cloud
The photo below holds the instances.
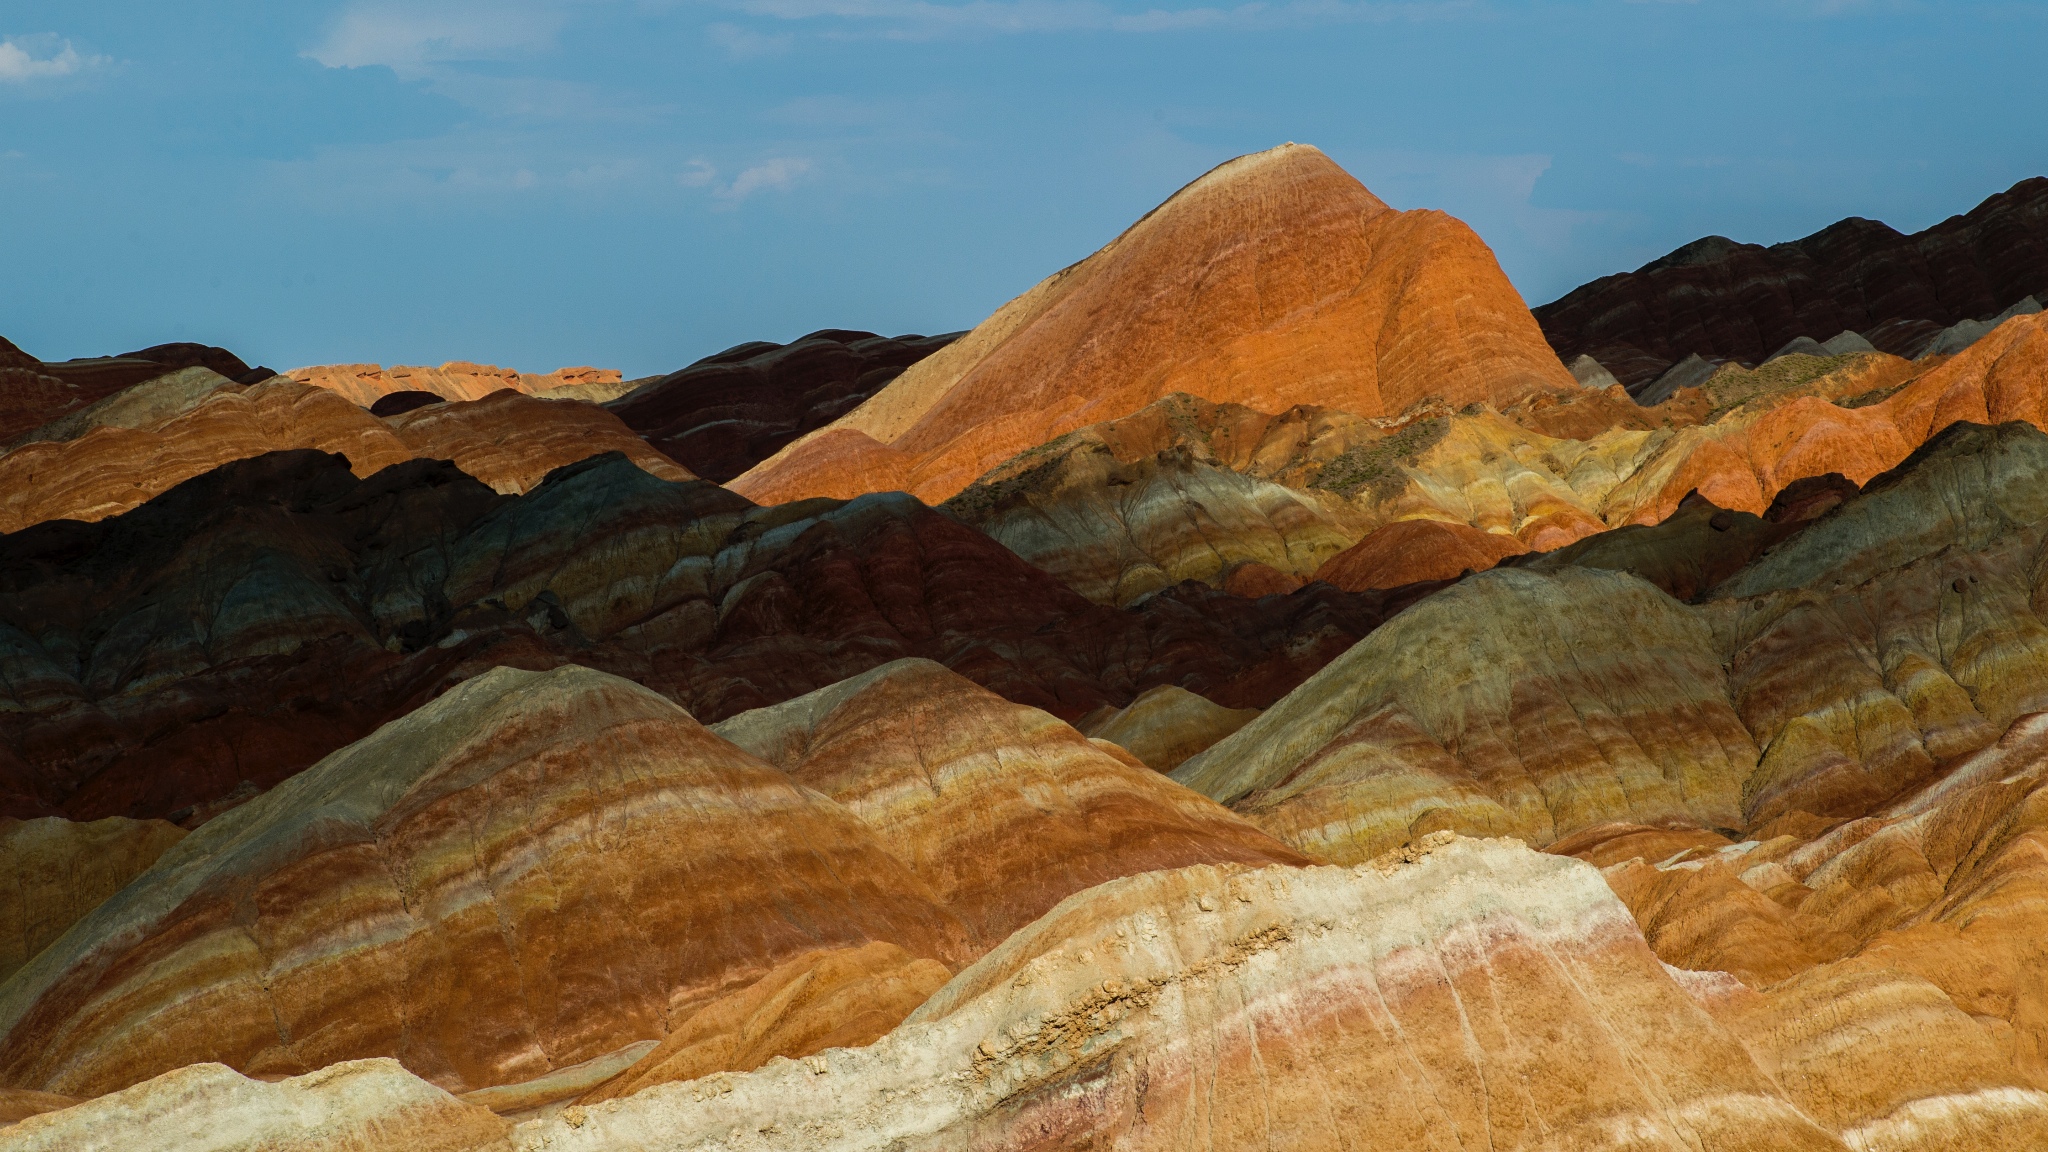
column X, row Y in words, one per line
column 779, row 174
column 923, row 18
column 20, row 62
column 744, row 43
column 409, row 38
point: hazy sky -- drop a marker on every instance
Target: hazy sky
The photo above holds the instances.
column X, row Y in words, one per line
column 537, row 183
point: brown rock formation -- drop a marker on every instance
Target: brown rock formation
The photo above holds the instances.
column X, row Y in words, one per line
column 1273, row 280
column 1166, row 725
column 511, row 441
column 1001, row 809
column 54, row 871
column 33, row 393
column 1729, row 301
column 365, row 384
column 1374, row 1008
column 1411, row 551
column 533, row 870
column 104, row 459
column 248, row 622
column 357, row 1106
column 1512, row 702
column 726, row 413
column 834, row 998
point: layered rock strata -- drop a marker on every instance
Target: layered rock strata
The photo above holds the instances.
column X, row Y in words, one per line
column 1001, row 809
column 1383, row 1007
column 728, row 412
column 106, row 458
column 365, row 384
column 1728, row 301
column 1273, row 280
column 36, row 393
column 54, row 871
column 1517, row 703
column 533, row 870
column 244, row 624
column 1166, row 725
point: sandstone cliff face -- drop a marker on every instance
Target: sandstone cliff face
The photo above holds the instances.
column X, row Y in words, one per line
column 1724, row 300
column 106, row 458
column 726, row 413
column 1276, row 279
column 1001, row 809
column 531, row 871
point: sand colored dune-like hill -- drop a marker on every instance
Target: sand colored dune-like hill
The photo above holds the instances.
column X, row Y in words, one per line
column 1276, row 279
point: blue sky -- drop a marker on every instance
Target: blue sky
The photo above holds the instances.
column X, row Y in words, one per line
column 635, row 184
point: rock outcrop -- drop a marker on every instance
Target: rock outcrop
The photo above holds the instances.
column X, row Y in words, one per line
column 1275, row 279
column 243, row 625
column 356, row 1106
column 33, row 393
column 1510, row 703
column 54, row 871
column 1001, row 809
column 365, row 384
column 1476, row 994
column 533, row 870
column 728, row 412
column 1728, row 301
column 113, row 455
column 1166, row 725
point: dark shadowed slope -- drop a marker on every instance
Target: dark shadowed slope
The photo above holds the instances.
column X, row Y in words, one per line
column 1723, row 300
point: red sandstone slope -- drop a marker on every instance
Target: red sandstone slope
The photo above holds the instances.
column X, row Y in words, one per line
column 1275, row 279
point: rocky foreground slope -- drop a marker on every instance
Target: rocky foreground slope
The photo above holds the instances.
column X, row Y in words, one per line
column 1338, row 728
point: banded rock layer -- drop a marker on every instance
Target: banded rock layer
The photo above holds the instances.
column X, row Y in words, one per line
column 533, row 870
column 1002, row 809
column 1723, row 300
column 364, row 384
column 1273, row 280
column 248, row 622
column 728, row 412
column 105, row 459
column 1479, row 995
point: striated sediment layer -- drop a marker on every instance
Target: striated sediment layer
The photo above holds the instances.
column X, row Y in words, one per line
column 728, row 412
column 1001, row 809
column 1516, row 703
column 237, row 628
column 54, row 871
column 364, row 384
column 1273, row 280
column 1166, row 725
column 1728, row 301
column 107, row 458
column 489, row 889
column 1382, row 1007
